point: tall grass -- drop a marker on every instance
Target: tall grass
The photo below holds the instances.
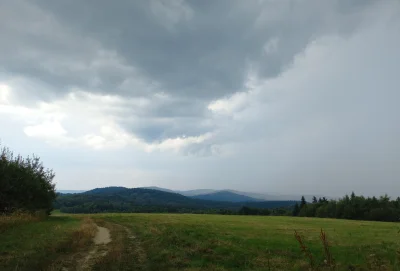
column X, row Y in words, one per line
column 8, row 221
column 71, row 252
column 83, row 236
column 329, row 261
column 372, row 261
column 34, row 241
column 306, row 251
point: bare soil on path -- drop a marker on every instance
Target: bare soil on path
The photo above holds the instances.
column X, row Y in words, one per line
column 113, row 247
column 84, row 260
column 101, row 239
column 102, row 236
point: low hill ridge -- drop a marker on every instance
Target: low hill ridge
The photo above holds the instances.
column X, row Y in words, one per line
column 107, row 190
column 122, row 199
column 225, row 196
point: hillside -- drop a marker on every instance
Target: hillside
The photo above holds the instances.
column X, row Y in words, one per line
column 107, row 190
column 225, row 196
column 70, row 191
column 121, row 199
column 196, row 192
column 158, row 188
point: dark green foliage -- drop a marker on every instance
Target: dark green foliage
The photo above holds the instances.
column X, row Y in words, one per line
column 253, row 211
column 308, row 210
column 107, row 190
column 120, row 199
column 24, row 183
column 303, row 202
column 282, row 211
column 296, row 210
column 354, row 207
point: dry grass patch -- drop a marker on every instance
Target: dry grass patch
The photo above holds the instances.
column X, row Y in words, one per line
column 74, row 250
column 8, row 221
column 35, row 242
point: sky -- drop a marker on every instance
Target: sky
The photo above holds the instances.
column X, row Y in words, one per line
column 284, row 97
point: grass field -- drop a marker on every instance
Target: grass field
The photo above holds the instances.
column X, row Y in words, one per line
column 43, row 244
column 205, row 242
column 214, row 242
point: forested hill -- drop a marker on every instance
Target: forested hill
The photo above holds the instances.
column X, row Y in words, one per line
column 107, row 190
column 121, row 199
column 225, row 196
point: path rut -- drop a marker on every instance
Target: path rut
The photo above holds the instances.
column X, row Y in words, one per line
column 101, row 239
column 102, row 236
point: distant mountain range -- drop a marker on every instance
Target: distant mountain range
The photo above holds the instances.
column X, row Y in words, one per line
column 217, row 195
column 121, row 199
column 70, row 191
column 225, row 196
column 254, row 196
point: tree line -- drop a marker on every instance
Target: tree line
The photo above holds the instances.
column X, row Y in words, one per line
column 351, row 207
column 25, row 184
column 138, row 200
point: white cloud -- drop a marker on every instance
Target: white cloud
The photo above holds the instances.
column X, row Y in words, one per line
column 4, row 94
column 229, row 105
column 87, row 119
column 47, row 129
column 178, row 143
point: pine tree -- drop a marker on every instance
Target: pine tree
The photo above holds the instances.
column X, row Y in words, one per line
column 302, row 202
column 296, row 210
column 314, row 199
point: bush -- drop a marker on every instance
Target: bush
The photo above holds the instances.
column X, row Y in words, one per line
column 25, row 184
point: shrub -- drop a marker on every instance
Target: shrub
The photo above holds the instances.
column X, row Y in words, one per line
column 25, row 184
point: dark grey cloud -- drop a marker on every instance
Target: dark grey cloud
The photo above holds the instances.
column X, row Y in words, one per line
column 195, row 48
column 159, row 129
column 201, row 50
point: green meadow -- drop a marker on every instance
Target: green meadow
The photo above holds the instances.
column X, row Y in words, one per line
column 203, row 242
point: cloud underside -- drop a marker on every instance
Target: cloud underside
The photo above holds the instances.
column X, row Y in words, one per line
column 292, row 88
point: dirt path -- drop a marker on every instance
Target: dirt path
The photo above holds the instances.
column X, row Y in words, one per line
column 124, row 252
column 102, row 236
column 84, row 260
column 101, row 239
column 107, row 253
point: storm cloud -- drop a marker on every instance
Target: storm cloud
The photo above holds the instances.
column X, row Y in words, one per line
column 275, row 96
